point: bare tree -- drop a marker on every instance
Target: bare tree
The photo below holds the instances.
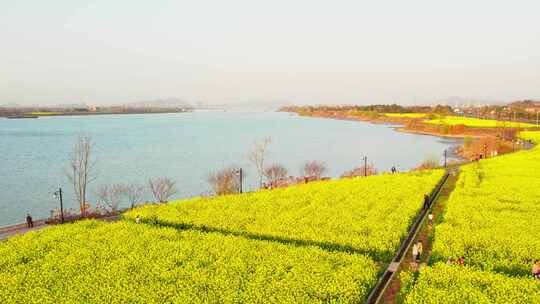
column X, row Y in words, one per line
column 361, row 171
column 225, row 181
column 134, row 194
column 162, row 188
column 111, row 196
column 258, row 155
column 81, row 171
column 314, row 169
column 274, row 174
column 429, row 163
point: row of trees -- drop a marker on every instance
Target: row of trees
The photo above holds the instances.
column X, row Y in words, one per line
column 82, row 172
column 227, row 181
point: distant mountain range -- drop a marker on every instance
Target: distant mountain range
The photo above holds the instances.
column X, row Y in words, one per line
column 160, row 103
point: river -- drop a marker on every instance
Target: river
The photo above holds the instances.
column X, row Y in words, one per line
column 34, row 153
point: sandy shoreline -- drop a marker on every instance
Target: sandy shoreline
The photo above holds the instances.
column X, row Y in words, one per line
column 460, row 136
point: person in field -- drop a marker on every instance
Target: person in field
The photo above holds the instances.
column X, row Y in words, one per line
column 415, row 252
column 420, row 249
column 426, row 201
column 461, row 261
column 29, row 221
column 138, row 219
column 536, row 270
column 430, row 219
column 450, row 261
column 393, row 169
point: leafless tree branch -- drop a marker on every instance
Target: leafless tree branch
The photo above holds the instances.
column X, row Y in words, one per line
column 162, row 188
column 257, row 157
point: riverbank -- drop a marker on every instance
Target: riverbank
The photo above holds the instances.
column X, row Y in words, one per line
column 478, row 142
column 405, row 130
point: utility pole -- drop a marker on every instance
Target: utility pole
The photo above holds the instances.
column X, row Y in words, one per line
column 445, row 158
column 240, row 172
column 59, row 194
column 365, row 165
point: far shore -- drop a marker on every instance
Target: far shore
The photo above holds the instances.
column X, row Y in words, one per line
column 480, row 136
column 22, row 114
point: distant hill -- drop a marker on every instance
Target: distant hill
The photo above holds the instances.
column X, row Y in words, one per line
column 456, row 101
column 259, row 105
column 160, row 103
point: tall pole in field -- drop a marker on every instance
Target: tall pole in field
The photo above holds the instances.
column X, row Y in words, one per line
column 241, row 173
column 365, row 165
column 485, row 150
column 59, row 195
column 445, row 158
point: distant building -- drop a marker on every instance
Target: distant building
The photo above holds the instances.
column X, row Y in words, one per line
column 458, row 111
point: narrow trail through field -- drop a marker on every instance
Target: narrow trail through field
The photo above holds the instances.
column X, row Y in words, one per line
column 9, row 231
column 426, row 234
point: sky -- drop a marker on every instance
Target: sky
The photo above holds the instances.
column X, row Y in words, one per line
column 301, row 52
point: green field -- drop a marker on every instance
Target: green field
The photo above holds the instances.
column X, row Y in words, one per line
column 477, row 123
column 490, row 220
column 318, row 243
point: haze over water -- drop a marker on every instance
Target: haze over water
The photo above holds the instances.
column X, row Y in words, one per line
column 186, row 147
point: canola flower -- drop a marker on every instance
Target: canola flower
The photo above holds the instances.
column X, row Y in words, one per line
column 364, row 215
column 477, row 123
column 323, row 242
column 453, row 284
column 406, row 115
column 124, row 262
column 490, row 220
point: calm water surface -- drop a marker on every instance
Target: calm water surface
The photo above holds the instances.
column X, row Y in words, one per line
column 34, row 153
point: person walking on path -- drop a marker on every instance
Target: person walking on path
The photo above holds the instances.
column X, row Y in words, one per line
column 29, row 221
column 415, row 252
column 420, row 249
column 393, row 169
column 426, row 202
column 430, row 219
column 536, row 270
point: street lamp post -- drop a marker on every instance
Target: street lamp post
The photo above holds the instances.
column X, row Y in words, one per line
column 240, row 175
column 445, row 158
column 59, row 195
column 365, row 165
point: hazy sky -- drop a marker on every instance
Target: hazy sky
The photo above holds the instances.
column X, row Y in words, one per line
column 222, row 51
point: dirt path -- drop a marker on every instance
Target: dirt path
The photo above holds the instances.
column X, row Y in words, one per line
column 425, row 234
column 7, row 232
